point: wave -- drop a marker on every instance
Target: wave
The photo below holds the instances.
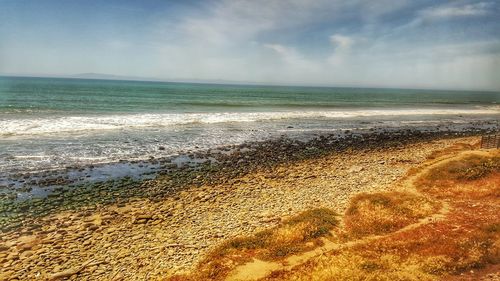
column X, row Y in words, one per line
column 11, row 127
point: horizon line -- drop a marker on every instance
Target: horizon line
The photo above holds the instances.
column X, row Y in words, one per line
column 113, row 77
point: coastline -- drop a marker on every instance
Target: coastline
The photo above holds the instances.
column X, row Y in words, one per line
column 55, row 191
column 169, row 230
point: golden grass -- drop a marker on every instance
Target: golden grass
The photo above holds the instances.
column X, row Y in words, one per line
column 470, row 168
column 453, row 149
column 466, row 238
column 286, row 239
column 295, row 235
column 384, row 212
column 473, row 175
column 353, row 266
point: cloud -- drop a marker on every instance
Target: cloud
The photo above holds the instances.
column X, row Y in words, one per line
column 293, row 61
column 341, row 42
column 342, row 49
column 280, row 49
column 320, row 42
column 451, row 11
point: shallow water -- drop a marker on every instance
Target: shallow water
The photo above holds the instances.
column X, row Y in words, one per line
column 52, row 124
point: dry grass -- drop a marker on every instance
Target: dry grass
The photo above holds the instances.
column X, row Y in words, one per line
column 470, row 168
column 384, row 212
column 288, row 238
column 467, row 238
column 295, row 235
column 457, row 244
column 458, row 147
column 354, row 266
column 473, row 175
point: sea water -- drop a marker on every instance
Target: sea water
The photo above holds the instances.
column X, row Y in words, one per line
column 53, row 123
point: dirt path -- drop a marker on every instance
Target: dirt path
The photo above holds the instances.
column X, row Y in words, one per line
column 258, row 269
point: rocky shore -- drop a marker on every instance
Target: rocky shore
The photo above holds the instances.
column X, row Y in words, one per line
column 53, row 191
column 143, row 230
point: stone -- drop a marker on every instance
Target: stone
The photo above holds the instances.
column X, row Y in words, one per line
column 93, row 227
column 265, row 214
column 355, row 169
column 27, row 242
column 25, row 254
column 144, row 217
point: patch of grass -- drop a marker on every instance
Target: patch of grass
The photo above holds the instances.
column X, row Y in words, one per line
column 450, row 150
column 285, row 239
column 473, row 175
column 441, row 248
column 428, row 252
column 295, row 235
column 472, row 167
column 493, row 228
column 384, row 212
column 350, row 265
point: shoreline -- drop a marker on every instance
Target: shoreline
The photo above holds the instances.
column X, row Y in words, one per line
column 203, row 167
column 139, row 159
column 163, row 235
column 195, row 168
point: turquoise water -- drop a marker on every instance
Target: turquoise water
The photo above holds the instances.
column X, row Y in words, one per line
column 37, row 96
column 48, row 123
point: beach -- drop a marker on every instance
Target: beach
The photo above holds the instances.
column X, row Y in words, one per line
column 249, row 140
column 133, row 180
column 157, row 236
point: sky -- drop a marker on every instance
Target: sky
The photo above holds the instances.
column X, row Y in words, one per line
column 360, row 43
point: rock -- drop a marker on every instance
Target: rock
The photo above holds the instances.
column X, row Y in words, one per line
column 27, row 242
column 93, row 227
column 25, row 254
column 64, row 274
column 123, row 210
column 265, row 214
column 144, row 217
column 12, row 256
column 68, row 272
column 355, row 169
column 118, row 277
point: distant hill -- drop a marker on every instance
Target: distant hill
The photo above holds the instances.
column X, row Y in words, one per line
column 104, row 76
column 109, row 77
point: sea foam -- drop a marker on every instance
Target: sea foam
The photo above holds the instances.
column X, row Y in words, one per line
column 12, row 127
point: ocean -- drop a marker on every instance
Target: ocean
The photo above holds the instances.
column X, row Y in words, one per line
column 55, row 123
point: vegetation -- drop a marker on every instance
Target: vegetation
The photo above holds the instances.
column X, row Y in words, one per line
column 384, row 212
column 451, row 150
column 469, row 168
column 454, row 214
column 473, row 175
column 297, row 234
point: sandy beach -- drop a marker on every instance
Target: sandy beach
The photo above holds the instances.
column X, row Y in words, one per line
column 156, row 237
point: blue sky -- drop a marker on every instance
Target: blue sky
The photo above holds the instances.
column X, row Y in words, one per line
column 372, row 43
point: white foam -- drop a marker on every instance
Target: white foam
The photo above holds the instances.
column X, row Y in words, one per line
column 74, row 124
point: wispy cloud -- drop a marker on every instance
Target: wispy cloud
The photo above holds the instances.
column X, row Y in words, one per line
column 321, row 42
column 454, row 10
column 341, row 42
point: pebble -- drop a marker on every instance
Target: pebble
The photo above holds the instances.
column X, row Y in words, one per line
column 149, row 238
